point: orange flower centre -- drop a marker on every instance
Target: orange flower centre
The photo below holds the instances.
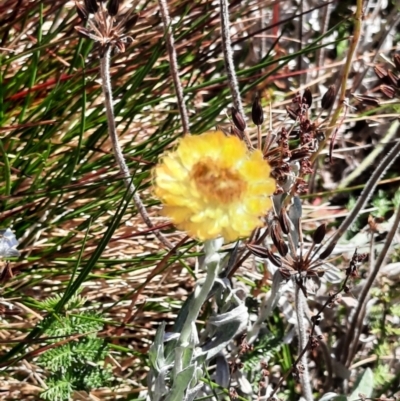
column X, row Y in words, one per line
column 218, row 183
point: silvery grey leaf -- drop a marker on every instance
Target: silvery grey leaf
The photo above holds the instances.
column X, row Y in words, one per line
column 156, row 351
column 222, row 372
column 8, row 242
column 230, row 261
column 295, row 212
column 244, row 384
column 227, row 326
column 333, row 275
column 268, row 305
column 328, row 397
column 181, row 383
column 171, row 336
column 287, row 310
column 192, row 392
column 238, row 314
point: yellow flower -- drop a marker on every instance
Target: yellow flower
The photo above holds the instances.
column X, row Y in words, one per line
column 211, row 185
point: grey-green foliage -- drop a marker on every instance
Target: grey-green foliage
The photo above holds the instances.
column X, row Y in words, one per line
column 77, row 364
column 177, row 363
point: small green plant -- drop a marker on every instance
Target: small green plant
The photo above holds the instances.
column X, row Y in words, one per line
column 75, row 359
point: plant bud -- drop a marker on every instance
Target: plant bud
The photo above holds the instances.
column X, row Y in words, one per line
column 112, row 7
column 238, row 119
column 307, row 96
column 257, row 113
column 329, row 98
column 91, row 6
column 387, row 90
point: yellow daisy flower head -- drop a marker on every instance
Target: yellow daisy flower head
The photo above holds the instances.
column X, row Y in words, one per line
column 212, row 186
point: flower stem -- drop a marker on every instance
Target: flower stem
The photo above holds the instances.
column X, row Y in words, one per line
column 200, row 297
column 173, row 63
column 119, row 157
column 305, row 376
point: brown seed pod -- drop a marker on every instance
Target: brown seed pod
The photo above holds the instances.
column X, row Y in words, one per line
column 131, row 22
column 327, row 251
column 81, row 11
column 258, row 250
column 329, row 98
column 257, row 113
column 380, row 72
column 368, row 100
column 292, row 113
column 91, row 6
column 238, row 119
column 307, row 96
column 113, row 7
column 393, row 78
column 319, row 234
column 396, row 60
column 388, row 91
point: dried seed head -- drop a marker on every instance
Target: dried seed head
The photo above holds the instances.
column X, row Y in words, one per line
column 113, row 7
column 319, row 234
column 329, row 98
column 396, row 60
column 380, row 72
column 91, row 6
column 387, row 90
column 257, row 113
column 238, row 119
column 307, row 96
